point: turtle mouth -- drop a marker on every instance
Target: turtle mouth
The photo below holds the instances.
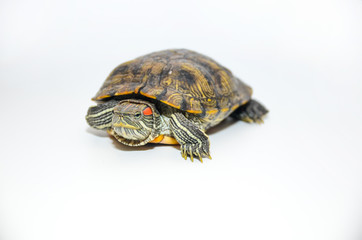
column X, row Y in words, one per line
column 125, row 125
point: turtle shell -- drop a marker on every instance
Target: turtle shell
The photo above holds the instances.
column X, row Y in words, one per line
column 180, row 78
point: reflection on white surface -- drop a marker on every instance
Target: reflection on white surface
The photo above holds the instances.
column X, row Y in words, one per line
column 298, row 176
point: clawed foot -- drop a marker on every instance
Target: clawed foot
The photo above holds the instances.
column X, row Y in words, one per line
column 251, row 112
column 194, row 142
column 198, row 150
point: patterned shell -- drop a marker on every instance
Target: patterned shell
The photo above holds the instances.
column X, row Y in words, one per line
column 182, row 79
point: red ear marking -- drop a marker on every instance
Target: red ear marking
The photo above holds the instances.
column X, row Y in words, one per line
column 147, row 111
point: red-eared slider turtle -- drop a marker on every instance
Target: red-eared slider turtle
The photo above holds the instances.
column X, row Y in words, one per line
column 171, row 97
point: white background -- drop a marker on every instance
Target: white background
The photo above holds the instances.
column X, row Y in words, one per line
column 298, row 176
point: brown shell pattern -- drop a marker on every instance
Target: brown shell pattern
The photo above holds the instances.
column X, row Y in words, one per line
column 182, row 79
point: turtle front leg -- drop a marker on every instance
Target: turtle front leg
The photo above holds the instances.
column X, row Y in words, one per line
column 193, row 141
column 100, row 116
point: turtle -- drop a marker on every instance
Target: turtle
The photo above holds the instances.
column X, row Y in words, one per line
column 171, row 97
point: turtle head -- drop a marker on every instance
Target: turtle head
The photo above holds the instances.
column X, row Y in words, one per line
column 135, row 122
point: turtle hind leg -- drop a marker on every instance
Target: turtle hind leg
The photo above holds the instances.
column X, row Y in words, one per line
column 250, row 112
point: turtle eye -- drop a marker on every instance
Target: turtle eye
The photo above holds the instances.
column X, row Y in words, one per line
column 137, row 115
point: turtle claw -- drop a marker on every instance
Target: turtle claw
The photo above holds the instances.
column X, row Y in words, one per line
column 184, row 153
column 194, row 150
column 259, row 121
column 247, row 119
column 199, row 155
column 191, row 153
